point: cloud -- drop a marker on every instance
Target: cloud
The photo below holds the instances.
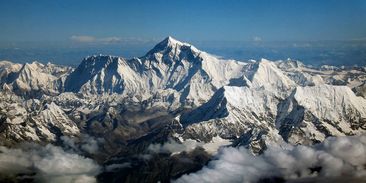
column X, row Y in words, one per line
column 174, row 147
column 187, row 145
column 301, row 45
column 92, row 39
column 257, row 39
column 335, row 157
column 47, row 164
column 359, row 39
column 110, row 39
column 83, row 39
column 84, row 143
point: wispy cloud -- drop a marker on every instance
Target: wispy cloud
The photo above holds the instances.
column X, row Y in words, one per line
column 110, row 39
column 92, row 39
column 87, row 39
column 257, row 39
column 359, row 39
column 174, row 147
column 83, row 39
column 84, row 144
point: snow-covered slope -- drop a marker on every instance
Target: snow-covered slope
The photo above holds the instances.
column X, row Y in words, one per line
column 232, row 102
column 266, row 76
column 313, row 113
column 308, row 115
column 309, row 76
column 30, row 77
column 8, row 68
column 232, row 112
column 33, row 79
column 97, row 75
column 32, row 120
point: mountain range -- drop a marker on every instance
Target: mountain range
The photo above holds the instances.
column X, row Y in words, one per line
column 179, row 94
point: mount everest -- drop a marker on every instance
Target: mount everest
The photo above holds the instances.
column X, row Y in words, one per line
column 179, row 93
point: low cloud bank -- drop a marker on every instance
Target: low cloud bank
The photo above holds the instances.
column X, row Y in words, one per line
column 46, row 164
column 187, row 145
column 85, row 143
column 336, row 156
column 171, row 146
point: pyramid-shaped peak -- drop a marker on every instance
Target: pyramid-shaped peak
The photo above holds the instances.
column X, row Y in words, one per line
column 170, row 41
column 170, row 38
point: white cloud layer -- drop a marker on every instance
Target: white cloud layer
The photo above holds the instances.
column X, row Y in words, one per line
column 257, row 39
column 84, row 143
column 50, row 163
column 337, row 156
column 174, row 147
column 82, row 39
column 92, row 39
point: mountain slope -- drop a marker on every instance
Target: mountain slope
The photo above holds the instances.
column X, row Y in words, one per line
column 234, row 112
column 34, row 79
column 265, row 75
column 313, row 113
column 33, row 120
column 308, row 115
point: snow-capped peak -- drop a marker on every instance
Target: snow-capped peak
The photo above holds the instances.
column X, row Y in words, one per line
column 170, row 41
column 265, row 74
column 170, row 44
column 32, row 77
column 97, row 74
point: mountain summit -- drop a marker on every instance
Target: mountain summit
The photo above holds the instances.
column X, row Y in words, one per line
column 172, row 47
column 170, row 42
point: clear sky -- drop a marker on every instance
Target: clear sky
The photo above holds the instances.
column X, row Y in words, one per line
column 230, row 20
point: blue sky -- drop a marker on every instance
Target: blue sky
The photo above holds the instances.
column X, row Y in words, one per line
column 191, row 20
column 65, row 31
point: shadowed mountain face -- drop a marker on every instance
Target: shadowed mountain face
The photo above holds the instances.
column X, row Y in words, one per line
column 165, row 114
